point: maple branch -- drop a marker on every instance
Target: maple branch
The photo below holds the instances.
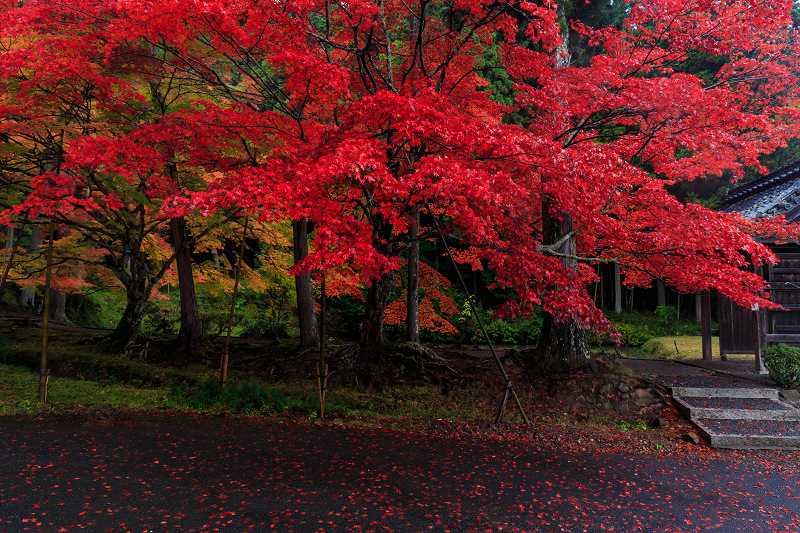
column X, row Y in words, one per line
column 388, row 43
column 489, row 17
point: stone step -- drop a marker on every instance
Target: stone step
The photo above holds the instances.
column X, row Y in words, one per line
column 749, row 434
column 708, row 392
column 735, row 408
column 740, row 418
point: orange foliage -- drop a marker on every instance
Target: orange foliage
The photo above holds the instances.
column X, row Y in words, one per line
column 431, row 285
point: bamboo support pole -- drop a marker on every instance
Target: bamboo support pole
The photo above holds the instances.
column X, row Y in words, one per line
column 44, row 372
column 322, row 366
column 223, row 366
column 509, row 384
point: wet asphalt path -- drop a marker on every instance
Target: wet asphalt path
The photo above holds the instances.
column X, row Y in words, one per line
column 169, row 476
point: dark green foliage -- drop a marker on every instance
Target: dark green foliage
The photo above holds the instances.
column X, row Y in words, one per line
column 783, row 363
column 241, row 397
column 594, row 14
column 162, row 317
column 345, row 314
column 100, row 309
column 266, row 313
column 637, row 328
column 214, row 313
column 666, row 313
column 4, row 351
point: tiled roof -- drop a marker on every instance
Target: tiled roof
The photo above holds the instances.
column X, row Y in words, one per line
column 777, row 193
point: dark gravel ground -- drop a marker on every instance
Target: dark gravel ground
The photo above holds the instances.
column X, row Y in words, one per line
column 173, row 476
column 721, row 382
column 758, row 404
column 675, row 374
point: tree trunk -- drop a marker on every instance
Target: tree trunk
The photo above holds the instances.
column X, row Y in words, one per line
column 9, row 237
column 307, row 318
column 617, row 290
column 191, row 331
column 59, row 306
column 372, row 341
column 137, row 291
column 371, row 347
column 26, row 298
column 412, row 302
column 562, row 345
column 661, row 293
column 698, row 307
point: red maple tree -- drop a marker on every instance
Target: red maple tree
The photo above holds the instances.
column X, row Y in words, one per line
column 352, row 114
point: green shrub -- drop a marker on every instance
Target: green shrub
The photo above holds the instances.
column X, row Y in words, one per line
column 637, row 328
column 666, row 313
column 633, row 335
column 241, row 397
column 783, row 363
column 162, row 317
column 501, row 331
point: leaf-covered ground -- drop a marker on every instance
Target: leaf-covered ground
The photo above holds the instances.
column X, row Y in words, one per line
column 174, row 476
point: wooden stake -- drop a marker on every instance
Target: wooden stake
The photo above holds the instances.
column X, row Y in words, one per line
column 502, row 411
column 509, row 386
column 44, row 372
column 223, row 366
column 322, row 366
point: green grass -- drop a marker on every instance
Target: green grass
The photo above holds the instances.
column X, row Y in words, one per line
column 689, row 347
column 70, row 355
column 242, row 397
column 19, row 394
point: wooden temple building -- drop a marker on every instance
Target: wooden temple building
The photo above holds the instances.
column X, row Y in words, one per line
column 750, row 331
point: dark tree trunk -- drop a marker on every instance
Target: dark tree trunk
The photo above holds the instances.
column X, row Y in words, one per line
column 562, row 345
column 191, row 330
column 661, row 293
column 412, row 302
column 137, row 289
column 307, row 318
column 372, row 342
column 371, row 347
column 26, row 298
column 59, row 306
column 9, row 237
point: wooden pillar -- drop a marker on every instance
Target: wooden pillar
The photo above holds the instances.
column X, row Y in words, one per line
column 705, row 324
column 760, row 327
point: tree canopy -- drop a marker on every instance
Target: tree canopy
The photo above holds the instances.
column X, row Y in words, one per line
column 352, row 114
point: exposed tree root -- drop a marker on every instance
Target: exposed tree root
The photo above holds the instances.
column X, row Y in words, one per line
column 394, row 363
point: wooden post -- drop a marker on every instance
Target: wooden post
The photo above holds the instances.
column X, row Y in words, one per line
column 44, row 372
column 497, row 360
column 724, row 314
column 322, row 367
column 223, row 366
column 760, row 327
column 705, row 324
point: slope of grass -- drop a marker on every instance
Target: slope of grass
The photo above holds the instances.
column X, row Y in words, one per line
column 684, row 347
column 19, row 394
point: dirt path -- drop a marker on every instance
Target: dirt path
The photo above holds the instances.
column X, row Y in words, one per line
column 168, row 476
